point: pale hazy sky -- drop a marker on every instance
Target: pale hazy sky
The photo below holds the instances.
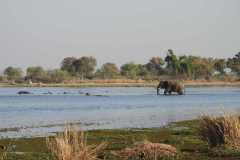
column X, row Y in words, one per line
column 43, row 32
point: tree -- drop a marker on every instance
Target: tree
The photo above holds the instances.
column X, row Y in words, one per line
column 36, row 73
column 13, row 73
column 109, row 70
column 57, row 75
column 220, row 65
column 67, row 64
column 143, row 72
column 172, row 62
column 84, row 67
column 202, row 67
column 154, row 66
column 186, row 67
column 1, row 78
column 130, row 70
column 234, row 63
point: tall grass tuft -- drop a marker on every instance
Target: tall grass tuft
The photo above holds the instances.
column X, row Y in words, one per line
column 3, row 152
column 2, row 156
column 221, row 131
column 72, row 145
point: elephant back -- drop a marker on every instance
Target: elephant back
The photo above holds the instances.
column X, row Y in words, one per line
column 176, row 86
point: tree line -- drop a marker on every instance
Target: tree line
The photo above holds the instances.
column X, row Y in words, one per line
column 184, row 67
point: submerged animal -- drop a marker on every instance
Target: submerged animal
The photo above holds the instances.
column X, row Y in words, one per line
column 48, row 92
column 87, row 94
column 171, row 86
column 23, row 92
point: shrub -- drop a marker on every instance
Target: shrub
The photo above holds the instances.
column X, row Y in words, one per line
column 220, row 131
column 72, row 145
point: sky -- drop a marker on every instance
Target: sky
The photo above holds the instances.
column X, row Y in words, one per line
column 43, row 32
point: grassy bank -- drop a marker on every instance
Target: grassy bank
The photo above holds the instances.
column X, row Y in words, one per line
column 123, row 83
column 183, row 135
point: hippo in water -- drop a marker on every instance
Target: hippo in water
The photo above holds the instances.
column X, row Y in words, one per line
column 23, row 92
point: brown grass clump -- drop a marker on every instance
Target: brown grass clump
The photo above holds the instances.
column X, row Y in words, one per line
column 72, row 145
column 4, row 149
column 3, row 152
column 221, row 131
column 2, row 156
column 148, row 151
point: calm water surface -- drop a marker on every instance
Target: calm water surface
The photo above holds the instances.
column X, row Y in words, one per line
column 41, row 114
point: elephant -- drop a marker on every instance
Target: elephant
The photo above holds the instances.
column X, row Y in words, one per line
column 171, row 86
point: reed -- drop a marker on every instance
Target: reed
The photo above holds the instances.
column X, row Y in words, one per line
column 221, row 131
column 72, row 145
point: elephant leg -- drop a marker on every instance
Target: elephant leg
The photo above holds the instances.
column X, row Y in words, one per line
column 180, row 92
column 165, row 92
column 158, row 91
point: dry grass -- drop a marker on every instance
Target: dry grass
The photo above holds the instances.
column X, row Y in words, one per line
column 2, row 156
column 4, row 149
column 3, row 152
column 148, row 151
column 72, row 145
column 221, row 131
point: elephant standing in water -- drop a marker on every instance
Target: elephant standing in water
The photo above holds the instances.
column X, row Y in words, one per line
column 171, row 86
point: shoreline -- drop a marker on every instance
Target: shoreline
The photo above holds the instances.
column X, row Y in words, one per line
column 35, row 148
column 125, row 84
column 183, row 135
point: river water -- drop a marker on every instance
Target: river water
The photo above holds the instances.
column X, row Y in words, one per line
column 47, row 110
